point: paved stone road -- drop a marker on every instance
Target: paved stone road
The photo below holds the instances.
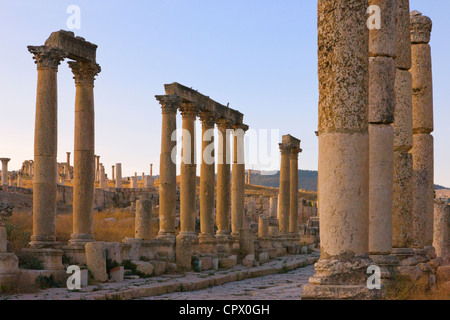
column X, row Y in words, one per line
column 287, row 286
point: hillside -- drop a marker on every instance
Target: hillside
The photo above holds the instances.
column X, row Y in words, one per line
column 307, row 180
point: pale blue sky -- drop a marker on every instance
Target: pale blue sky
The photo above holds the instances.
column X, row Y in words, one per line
column 258, row 55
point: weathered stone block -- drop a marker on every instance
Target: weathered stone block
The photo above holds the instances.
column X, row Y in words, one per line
column 381, row 89
column 96, row 260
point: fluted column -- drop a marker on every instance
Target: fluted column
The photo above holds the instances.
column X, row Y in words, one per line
column 5, row 171
column 238, row 180
column 284, row 191
column 84, row 161
column 223, row 181
column 293, row 202
column 422, row 151
column 188, row 171
column 168, row 174
column 343, row 60
column 207, row 179
column 45, row 146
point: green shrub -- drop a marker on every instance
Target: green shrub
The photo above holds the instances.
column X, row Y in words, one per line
column 27, row 261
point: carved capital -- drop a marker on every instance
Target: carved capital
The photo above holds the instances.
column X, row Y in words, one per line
column 84, row 71
column 46, row 57
column 241, row 126
column 189, row 110
column 169, row 103
column 224, row 124
column 295, row 151
column 420, row 27
column 285, row 149
column 208, row 119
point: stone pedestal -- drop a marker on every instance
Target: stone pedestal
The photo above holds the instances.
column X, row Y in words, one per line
column 51, row 258
column 184, row 252
column 4, row 170
column 96, row 260
column 143, row 220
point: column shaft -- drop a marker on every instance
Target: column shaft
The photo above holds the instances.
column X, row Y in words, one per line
column 84, row 158
column 237, row 182
column 207, row 179
column 293, row 204
column 223, row 181
column 188, row 172
column 168, row 177
column 284, row 192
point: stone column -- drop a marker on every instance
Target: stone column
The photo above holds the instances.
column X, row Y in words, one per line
column 402, row 197
column 284, row 192
column 151, row 170
column 83, row 164
column 343, row 59
column 293, row 202
column 238, row 180
column 19, row 180
column 118, row 175
column 5, row 170
column 188, row 171
column 207, row 180
column 103, row 182
column 263, row 226
column 112, row 173
column 168, row 174
column 45, row 146
column 249, row 177
column 68, row 159
column 97, row 168
column 382, row 69
column 223, row 181
column 422, row 151
column 143, row 222
column 441, row 234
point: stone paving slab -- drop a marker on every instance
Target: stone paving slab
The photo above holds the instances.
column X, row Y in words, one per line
column 161, row 285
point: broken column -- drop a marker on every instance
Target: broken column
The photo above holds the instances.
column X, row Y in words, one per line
column 422, row 151
column 207, row 184
column 273, row 221
column 382, row 70
column 343, row 61
column 4, row 170
column 84, row 162
column 167, row 175
column 441, row 230
column 9, row 269
column 143, row 221
column 118, row 175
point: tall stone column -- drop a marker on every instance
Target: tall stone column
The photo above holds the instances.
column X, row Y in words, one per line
column 151, row 170
column 207, row 181
column 188, row 171
column 112, row 173
column 83, row 164
column 422, row 151
column 293, row 202
column 343, row 58
column 45, row 147
column 168, row 174
column 67, row 167
column 382, row 52
column 402, row 197
column 118, row 175
column 5, row 170
column 284, row 191
column 223, row 181
column 238, row 181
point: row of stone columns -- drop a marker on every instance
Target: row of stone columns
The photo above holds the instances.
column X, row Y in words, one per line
column 230, row 193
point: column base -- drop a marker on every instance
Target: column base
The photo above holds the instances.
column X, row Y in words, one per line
column 75, row 253
column 80, row 239
column 223, row 244
column 388, row 265
column 341, row 277
column 207, row 244
column 51, row 258
column 184, row 252
column 339, row 292
column 166, row 247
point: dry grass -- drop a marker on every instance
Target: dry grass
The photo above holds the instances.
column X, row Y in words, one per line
column 20, row 227
column 403, row 288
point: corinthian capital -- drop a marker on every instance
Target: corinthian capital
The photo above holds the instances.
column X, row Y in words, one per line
column 420, row 27
column 189, row 109
column 84, row 71
column 285, row 148
column 169, row 103
column 46, row 57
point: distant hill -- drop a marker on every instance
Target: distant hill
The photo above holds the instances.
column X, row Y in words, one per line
column 307, row 180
